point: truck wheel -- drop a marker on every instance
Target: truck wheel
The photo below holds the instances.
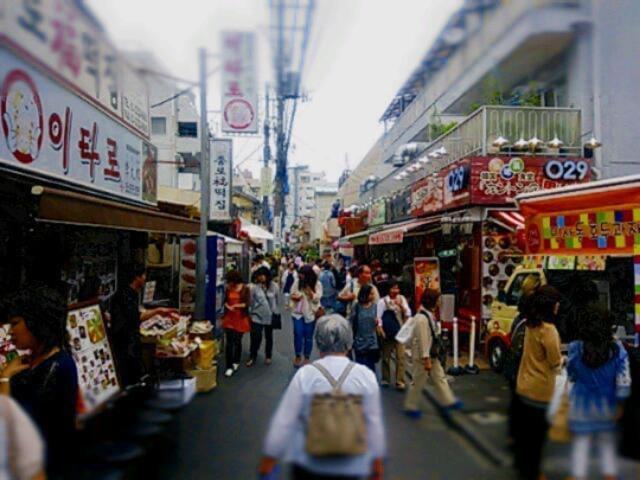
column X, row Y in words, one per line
column 497, row 350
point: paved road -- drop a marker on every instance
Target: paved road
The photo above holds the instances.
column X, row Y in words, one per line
column 219, row 435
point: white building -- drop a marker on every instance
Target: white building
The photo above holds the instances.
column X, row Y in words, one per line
column 571, row 53
column 175, row 126
column 301, row 202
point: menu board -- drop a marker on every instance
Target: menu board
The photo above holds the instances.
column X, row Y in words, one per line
column 97, row 379
column 427, row 276
column 497, row 264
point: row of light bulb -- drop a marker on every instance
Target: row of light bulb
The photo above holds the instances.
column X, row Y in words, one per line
column 421, row 162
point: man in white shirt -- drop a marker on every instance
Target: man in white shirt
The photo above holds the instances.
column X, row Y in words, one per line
column 397, row 304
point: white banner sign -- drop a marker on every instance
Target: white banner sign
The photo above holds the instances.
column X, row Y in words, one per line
column 57, row 36
column 239, row 83
column 221, row 159
column 48, row 130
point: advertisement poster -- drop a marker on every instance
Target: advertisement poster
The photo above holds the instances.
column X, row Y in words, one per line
column 64, row 41
column 188, row 251
column 561, row 262
column 221, row 160
column 591, row 262
column 497, row 265
column 97, row 379
column 427, row 276
column 377, row 213
column 239, row 83
column 46, row 129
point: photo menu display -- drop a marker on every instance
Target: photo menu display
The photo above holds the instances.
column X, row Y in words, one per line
column 97, row 379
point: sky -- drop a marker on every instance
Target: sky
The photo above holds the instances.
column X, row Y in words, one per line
column 360, row 53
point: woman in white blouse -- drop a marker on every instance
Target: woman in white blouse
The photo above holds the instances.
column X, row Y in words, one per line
column 286, row 437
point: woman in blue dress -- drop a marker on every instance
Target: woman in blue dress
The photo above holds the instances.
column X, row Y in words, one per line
column 598, row 366
column 366, row 328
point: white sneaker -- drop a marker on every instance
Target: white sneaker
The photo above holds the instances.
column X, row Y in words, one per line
column 236, row 366
column 229, row 372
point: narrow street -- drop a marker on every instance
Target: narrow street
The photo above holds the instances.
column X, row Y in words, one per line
column 221, row 433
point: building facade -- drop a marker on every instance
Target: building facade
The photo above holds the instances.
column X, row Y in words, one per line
column 549, row 53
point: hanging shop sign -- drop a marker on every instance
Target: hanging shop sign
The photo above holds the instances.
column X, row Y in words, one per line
column 399, row 206
column 426, row 196
column 427, row 276
column 496, row 180
column 386, row 237
column 56, row 35
column 377, row 213
column 239, row 83
column 187, row 293
column 221, row 159
column 49, row 131
column 91, row 352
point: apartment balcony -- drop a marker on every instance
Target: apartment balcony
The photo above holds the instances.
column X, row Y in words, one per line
column 477, row 134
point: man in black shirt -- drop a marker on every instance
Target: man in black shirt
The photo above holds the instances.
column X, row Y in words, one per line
column 125, row 326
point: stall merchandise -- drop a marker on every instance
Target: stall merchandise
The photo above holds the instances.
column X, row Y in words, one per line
column 188, row 250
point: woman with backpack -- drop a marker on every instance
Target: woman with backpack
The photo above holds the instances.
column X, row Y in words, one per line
column 366, row 328
column 393, row 311
column 541, row 360
column 306, row 293
column 353, row 444
column 429, row 354
column 598, row 366
column 261, row 313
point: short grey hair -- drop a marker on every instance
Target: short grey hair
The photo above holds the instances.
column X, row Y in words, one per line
column 333, row 334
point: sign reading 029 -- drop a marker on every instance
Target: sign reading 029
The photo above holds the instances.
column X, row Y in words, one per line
column 458, row 178
column 567, row 170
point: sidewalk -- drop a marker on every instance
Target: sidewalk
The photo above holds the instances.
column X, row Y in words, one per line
column 483, row 421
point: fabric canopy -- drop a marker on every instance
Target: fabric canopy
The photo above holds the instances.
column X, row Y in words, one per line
column 395, row 233
column 63, row 206
column 256, row 232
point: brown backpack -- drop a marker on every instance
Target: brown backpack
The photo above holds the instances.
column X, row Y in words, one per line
column 336, row 425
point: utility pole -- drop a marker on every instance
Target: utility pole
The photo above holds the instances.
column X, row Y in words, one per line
column 281, row 161
column 205, row 192
column 266, row 154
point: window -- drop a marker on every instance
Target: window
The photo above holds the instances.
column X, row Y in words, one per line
column 158, row 126
column 188, row 129
column 516, row 290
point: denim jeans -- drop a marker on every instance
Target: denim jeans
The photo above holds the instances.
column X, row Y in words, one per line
column 303, row 336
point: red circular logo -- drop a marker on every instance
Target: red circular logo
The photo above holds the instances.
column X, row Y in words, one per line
column 239, row 114
column 21, row 116
column 533, row 238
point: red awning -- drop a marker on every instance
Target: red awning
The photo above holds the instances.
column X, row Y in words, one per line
column 395, row 233
column 510, row 219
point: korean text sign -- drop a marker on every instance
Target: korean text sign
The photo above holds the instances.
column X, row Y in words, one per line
column 48, row 130
column 221, row 158
column 58, row 36
column 239, row 83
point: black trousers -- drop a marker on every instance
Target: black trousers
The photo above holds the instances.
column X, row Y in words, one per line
column 299, row 473
column 256, row 340
column 530, row 429
column 233, row 347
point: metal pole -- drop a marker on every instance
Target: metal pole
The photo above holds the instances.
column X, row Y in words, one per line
column 266, row 153
column 205, row 183
column 279, row 208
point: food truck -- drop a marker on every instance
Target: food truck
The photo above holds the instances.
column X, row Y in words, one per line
column 585, row 241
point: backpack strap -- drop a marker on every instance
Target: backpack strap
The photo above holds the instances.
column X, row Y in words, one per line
column 336, row 385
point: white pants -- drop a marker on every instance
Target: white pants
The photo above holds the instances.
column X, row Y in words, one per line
column 581, row 453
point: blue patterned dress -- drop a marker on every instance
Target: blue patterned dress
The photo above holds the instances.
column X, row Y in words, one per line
column 596, row 393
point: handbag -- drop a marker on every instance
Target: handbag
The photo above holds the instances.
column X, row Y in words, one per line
column 390, row 323
column 558, row 410
column 276, row 321
column 406, row 332
column 336, row 426
column 438, row 348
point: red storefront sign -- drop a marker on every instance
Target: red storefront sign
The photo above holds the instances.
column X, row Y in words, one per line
column 494, row 181
column 384, row 238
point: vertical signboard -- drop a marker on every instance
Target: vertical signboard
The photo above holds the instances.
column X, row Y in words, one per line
column 221, row 158
column 427, row 276
column 239, row 83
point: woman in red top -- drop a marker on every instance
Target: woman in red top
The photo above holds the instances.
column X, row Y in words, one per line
column 235, row 320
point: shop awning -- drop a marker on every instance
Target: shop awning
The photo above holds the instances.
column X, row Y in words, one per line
column 395, row 233
column 233, row 244
column 359, row 238
column 508, row 219
column 62, row 206
column 255, row 232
